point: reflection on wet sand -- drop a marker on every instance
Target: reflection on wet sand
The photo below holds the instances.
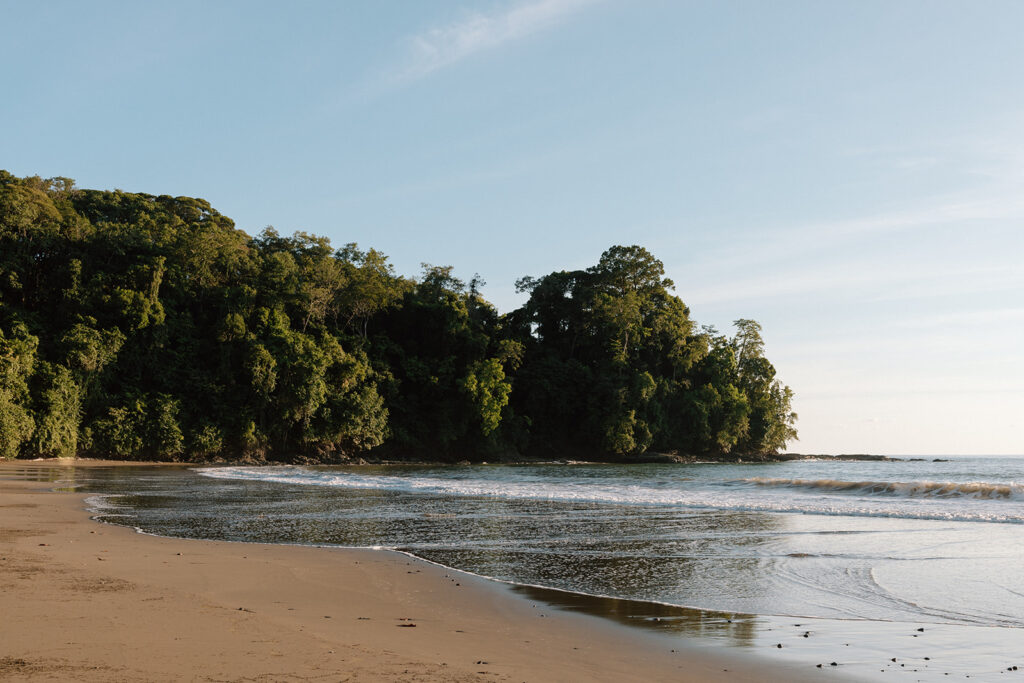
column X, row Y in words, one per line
column 730, row 627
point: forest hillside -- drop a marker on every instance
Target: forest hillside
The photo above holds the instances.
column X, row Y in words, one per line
column 138, row 326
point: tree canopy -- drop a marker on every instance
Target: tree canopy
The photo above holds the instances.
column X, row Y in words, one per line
column 140, row 326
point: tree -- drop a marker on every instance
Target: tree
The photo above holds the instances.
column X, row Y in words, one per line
column 371, row 286
column 771, row 420
column 608, row 350
column 17, row 358
column 58, row 412
column 488, row 392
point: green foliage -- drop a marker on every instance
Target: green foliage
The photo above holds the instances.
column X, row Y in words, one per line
column 441, row 348
column 488, row 392
column 615, row 365
column 207, row 441
column 87, row 350
column 165, row 441
column 120, row 433
column 58, row 412
column 17, row 358
column 144, row 326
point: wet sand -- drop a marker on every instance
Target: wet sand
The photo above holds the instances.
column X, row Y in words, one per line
column 86, row 601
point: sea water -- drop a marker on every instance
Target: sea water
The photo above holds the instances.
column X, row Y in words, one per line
column 857, row 562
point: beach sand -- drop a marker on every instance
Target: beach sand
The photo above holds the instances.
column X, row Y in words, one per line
column 87, row 601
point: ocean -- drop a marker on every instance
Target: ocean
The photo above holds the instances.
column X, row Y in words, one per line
column 912, row 567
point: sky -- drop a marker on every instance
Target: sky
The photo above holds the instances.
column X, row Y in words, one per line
column 849, row 174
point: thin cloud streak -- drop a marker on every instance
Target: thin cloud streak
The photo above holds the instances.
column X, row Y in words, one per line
column 886, row 282
column 903, row 280
column 443, row 46
column 999, row 158
column 951, row 212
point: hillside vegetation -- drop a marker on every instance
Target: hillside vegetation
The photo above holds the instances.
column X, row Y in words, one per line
column 138, row 326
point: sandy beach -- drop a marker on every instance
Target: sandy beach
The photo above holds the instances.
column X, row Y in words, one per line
column 87, row 601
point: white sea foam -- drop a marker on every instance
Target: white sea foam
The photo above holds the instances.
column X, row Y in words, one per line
column 973, row 502
column 101, row 504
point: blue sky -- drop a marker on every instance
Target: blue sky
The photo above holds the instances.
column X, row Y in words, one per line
column 848, row 174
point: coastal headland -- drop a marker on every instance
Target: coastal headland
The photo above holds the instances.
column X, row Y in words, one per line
column 92, row 602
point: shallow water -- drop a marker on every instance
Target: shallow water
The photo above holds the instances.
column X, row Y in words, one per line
column 867, row 551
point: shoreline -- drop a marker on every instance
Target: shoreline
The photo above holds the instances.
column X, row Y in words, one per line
column 94, row 601
column 648, row 458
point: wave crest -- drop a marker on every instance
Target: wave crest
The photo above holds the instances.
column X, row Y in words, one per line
column 997, row 503
column 903, row 489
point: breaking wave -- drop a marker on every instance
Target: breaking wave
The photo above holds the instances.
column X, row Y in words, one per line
column 905, row 489
column 948, row 501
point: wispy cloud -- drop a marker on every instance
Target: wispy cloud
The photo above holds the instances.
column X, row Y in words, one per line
column 443, row 46
column 992, row 318
column 844, row 256
column 924, row 217
column 860, row 275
